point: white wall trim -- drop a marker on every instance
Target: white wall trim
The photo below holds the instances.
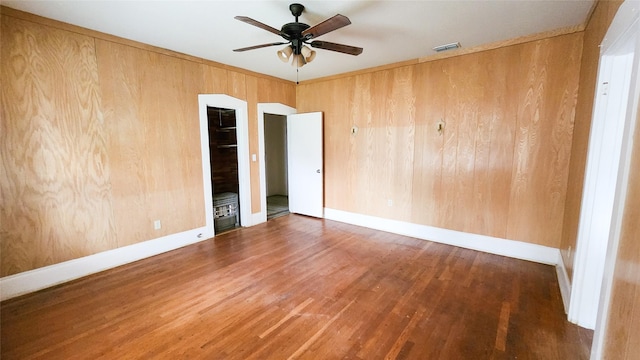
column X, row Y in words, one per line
column 44, row 277
column 266, row 108
column 498, row 246
column 624, row 26
column 564, row 283
column 259, row 217
column 613, row 101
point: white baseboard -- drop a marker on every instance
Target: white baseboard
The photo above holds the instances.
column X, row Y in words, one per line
column 498, row 246
column 37, row 279
column 564, row 283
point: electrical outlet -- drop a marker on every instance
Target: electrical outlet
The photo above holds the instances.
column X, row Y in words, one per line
column 390, row 202
column 157, row 225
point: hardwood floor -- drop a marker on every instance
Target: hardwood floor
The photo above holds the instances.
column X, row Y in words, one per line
column 297, row 287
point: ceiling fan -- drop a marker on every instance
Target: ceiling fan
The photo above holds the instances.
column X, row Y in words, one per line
column 298, row 34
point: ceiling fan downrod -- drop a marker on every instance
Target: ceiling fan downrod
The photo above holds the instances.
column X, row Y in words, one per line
column 296, row 10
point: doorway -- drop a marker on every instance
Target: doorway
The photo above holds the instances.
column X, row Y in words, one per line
column 221, row 101
column 275, row 159
column 267, row 110
column 223, row 157
column 305, row 184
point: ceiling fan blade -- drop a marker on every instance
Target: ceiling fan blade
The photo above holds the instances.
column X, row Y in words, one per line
column 257, row 23
column 347, row 49
column 326, row 26
column 259, row 46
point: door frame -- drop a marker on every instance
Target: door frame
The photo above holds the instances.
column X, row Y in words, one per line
column 266, row 108
column 623, row 31
column 242, row 134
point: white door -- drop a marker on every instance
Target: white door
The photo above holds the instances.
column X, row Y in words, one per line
column 304, row 164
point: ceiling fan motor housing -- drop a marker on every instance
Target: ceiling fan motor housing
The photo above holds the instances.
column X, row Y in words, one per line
column 293, row 33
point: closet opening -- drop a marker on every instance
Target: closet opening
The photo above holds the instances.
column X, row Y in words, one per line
column 223, row 157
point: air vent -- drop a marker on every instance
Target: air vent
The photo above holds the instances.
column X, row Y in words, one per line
column 446, row 47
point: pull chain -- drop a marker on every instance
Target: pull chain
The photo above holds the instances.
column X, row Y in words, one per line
column 297, row 72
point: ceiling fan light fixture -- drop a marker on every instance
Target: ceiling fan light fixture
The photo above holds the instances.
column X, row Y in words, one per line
column 285, row 53
column 308, row 54
column 298, row 61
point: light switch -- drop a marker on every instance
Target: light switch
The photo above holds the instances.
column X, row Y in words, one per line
column 254, row 157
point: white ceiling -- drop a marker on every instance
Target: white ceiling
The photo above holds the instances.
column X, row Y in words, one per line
column 389, row 31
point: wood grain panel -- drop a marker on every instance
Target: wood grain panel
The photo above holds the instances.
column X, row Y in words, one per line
column 546, row 101
column 151, row 111
column 236, row 85
column 596, row 28
column 622, row 337
column 393, row 136
column 338, row 146
column 359, row 163
column 55, row 178
column 463, row 85
column 272, row 91
column 479, row 137
column 429, row 142
column 214, row 80
column 494, row 138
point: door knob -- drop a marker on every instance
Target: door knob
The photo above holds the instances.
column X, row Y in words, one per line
column 318, row 171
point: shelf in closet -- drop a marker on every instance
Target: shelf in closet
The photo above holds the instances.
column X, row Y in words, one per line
column 226, row 129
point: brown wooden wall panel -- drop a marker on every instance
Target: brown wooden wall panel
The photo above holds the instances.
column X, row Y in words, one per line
column 54, row 182
column 622, row 336
column 392, row 131
column 429, row 143
column 359, row 156
column 236, row 85
column 274, row 91
column 462, row 174
column 461, row 87
column 543, row 139
column 151, row 111
column 480, row 125
column 214, row 80
column 498, row 169
column 596, row 28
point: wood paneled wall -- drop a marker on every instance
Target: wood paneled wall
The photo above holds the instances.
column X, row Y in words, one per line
column 55, row 182
column 152, row 124
column 500, row 166
column 597, row 26
column 100, row 137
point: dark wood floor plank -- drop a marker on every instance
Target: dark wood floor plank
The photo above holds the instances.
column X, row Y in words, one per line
column 301, row 288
